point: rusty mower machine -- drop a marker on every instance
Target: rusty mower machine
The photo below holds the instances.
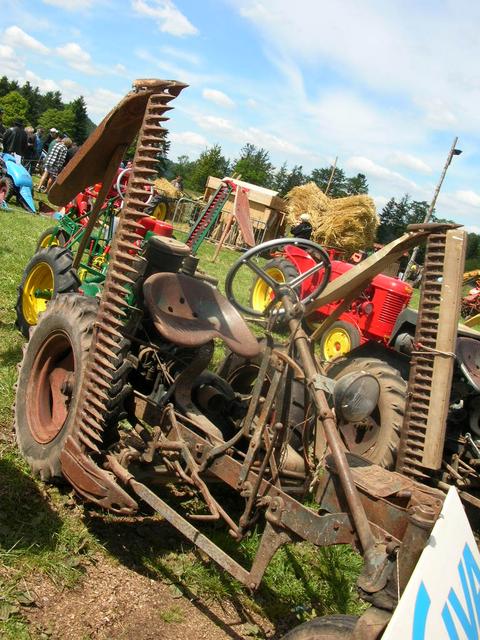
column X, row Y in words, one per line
column 141, row 350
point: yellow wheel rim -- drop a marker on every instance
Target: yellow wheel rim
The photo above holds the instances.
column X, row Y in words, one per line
column 336, row 343
column 37, row 291
column 262, row 294
column 49, row 241
column 160, row 211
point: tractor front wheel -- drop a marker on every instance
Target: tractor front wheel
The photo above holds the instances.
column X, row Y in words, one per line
column 338, row 627
column 53, row 236
column 50, row 379
column 338, row 340
column 48, row 274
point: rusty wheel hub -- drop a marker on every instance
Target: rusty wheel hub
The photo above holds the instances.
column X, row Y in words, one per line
column 51, row 387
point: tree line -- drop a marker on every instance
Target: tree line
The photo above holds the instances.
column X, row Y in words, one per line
column 254, row 165
column 47, row 110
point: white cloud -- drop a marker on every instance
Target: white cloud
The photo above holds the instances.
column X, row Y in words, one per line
column 100, row 102
column 186, row 56
column 409, row 161
column 77, row 58
column 252, row 103
column 120, row 69
column 371, row 168
column 189, row 138
column 218, row 97
column 44, row 84
column 168, row 18
column 16, row 37
column 71, row 5
column 9, row 62
column 469, row 197
column 241, row 135
column 380, row 48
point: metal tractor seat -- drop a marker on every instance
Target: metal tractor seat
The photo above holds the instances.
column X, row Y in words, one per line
column 190, row 313
column 468, row 356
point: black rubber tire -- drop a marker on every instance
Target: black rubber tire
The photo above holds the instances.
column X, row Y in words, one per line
column 289, row 272
column 69, row 317
column 65, row 280
column 160, row 202
column 339, row 627
column 52, row 231
column 390, row 408
column 352, row 332
column 241, row 374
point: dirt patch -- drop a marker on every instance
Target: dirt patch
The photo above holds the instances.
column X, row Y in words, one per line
column 114, row 602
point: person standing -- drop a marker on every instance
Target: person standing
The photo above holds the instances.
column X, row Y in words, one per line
column 29, row 158
column 56, row 160
column 304, row 228
column 15, row 141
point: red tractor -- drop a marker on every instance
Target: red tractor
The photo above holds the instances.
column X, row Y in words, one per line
column 370, row 317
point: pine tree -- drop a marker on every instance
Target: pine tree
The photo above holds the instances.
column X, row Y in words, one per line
column 357, row 185
column 210, row 163
column 80, row 123
column 254, row 165
column 338, row 184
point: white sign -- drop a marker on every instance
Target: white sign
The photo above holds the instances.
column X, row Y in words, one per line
column 442, row 598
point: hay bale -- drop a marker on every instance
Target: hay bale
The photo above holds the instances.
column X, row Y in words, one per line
column 164, row 187
column 347, row 223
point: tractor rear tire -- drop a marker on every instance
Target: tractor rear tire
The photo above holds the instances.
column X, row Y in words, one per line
column 50, row 270
column 51, row 237
column 50, row 380
column 377, row 437
column 338, row 340
column 338, row 627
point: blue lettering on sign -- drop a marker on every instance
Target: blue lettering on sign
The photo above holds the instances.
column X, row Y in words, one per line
column 455, row 617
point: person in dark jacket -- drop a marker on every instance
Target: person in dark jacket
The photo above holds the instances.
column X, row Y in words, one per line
column 304, row 228
column 15, row 141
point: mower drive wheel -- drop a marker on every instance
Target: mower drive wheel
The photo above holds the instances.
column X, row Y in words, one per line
column 49, row 381
column 376, row 437
column 52, row 237
column 241, row 374
column 261, row 295
column 47, row 274
column 338, row 627
column 338, row 340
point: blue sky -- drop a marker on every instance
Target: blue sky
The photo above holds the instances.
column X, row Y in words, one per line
column 385, row 86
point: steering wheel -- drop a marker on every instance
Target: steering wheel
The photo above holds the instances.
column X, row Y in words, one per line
column 118, row 185
column 280, row 288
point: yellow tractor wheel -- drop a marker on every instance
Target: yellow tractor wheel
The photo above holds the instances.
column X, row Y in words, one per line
column 338, row 340
column 47, row 274
column 51, row 237
column 280, row 270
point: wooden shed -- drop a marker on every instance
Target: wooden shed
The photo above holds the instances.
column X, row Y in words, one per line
column 266, row 208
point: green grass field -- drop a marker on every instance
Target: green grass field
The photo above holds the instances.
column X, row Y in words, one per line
column 45, row 531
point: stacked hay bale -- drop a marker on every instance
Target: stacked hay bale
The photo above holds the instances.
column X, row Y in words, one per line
column 164, row 187
column 346, row 223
